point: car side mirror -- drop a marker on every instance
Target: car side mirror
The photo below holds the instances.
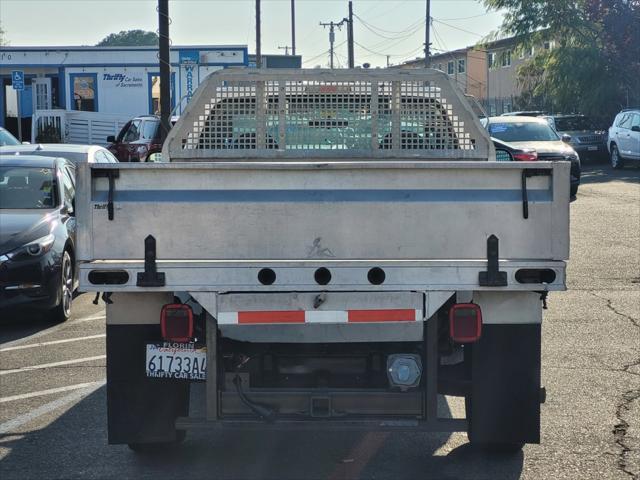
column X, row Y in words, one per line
column 111, row 139
column 503, row 155
column 635, row 128
column 566, row 138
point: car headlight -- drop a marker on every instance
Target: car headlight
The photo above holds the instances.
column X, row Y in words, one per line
column 33, row 249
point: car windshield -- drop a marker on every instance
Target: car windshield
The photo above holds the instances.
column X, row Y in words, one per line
column 523, row 132
column 26, row 187
column 568, row 124
column 7, row 139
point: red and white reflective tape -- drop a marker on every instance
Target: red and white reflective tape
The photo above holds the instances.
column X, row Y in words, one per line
column 318, row 316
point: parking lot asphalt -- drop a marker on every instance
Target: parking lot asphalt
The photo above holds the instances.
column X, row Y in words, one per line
column 53, row 405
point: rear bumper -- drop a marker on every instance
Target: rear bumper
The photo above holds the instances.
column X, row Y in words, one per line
column 503, row 387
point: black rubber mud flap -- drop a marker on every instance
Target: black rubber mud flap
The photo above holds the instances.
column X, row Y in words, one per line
column 505, row 391
column 140, row 409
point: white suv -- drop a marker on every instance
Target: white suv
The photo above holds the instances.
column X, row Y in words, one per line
column 624, row 137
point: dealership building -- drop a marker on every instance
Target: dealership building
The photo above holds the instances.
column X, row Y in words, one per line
column 109, row 80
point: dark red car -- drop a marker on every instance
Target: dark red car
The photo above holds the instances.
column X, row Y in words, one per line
column 138, row 139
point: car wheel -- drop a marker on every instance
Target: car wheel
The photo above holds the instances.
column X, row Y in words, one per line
column 616, row 160
column 62, row 312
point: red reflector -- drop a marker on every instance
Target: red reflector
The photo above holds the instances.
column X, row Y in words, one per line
column 465, row 322
column 176, row 323
column 526, row 156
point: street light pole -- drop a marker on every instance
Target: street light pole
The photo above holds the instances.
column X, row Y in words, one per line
column 350, row 35
column 293, row 27
column 165, row 67
column 258, row 39
column 427, row 43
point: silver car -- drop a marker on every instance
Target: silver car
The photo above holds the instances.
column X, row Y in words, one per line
column 624, row 138
column 75, row 153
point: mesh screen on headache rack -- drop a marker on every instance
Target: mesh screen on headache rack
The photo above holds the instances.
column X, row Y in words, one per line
column 375, row 117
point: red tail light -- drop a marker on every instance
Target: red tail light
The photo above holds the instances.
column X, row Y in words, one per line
column 465, row 322
column 526, row 156
column 176, row 323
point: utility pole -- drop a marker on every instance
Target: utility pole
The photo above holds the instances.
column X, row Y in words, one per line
column 285, row 48
column 388, row 64
column 165, row 67
column 427, row 43
column 350, row 35
column 293, row 27
column 332, row 36
column 258, row 40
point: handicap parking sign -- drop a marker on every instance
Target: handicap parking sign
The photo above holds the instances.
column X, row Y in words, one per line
column 17, row 79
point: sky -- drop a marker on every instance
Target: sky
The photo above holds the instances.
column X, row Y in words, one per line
column 381, row 27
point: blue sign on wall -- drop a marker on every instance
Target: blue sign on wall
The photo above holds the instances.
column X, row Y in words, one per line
column 189, row 57
column 17, row 79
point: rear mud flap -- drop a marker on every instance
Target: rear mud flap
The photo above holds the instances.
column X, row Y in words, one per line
column 140, row 410
column 504, row 402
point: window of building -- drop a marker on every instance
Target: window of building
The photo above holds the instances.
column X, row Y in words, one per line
column 492, row 59
column 550, row 45
column 506, row 58
column 462, row 65
column 450, row 68
column 84, row 92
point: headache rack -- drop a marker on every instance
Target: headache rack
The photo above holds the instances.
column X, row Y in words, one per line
column 327, row 114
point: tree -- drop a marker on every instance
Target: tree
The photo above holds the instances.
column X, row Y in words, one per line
column 129, row 38
column 595, row 66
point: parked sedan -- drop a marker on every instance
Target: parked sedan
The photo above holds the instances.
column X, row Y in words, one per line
column 586, row 139
column 37, row 238
column 536, row 133
column 75, row 153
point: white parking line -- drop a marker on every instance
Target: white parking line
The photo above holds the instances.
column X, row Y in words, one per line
column 51, row 391
column 13, row 424
column 52, row 342
column 54, row 364
column 52, row 330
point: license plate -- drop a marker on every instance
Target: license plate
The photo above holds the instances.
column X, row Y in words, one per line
column 591, row 148
column 176, row 361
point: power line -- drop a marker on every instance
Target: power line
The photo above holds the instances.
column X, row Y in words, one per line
column 372, row 27
column 466, row 18
column 458, row 28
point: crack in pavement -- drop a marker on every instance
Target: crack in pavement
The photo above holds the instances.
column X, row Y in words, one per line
column 621, row 428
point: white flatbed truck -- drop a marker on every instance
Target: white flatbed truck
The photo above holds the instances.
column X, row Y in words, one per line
column 324, row 249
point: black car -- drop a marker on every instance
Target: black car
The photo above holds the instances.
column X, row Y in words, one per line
column 37, row 234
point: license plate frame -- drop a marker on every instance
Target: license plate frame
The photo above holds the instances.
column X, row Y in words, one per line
column 175, row 361
column 592, row 148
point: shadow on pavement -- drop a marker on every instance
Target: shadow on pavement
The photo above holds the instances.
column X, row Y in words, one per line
column 16, row 324
column 75, row 446
column 605, row 173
